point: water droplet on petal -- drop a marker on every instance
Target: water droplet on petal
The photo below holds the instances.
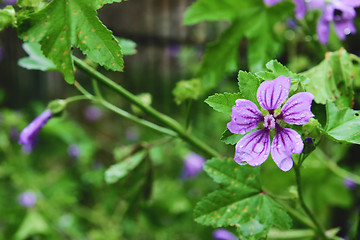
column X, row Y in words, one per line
column 347, row 31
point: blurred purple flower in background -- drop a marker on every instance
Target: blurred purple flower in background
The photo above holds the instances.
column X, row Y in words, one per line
column 349, row 183
column 193, row 164
column 132, row 134
column 223, row 234
column 73, row 150
column 254, row 148
column 92, row 113
column 341, row 12
column 27, row 199
column 10, row 2
column 173, row 50
column 28, row 135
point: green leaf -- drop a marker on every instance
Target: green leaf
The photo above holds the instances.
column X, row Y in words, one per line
column 230, row 138
column 248, row 85
column 332, row 79
column 63, row 23
column 298, row 81
column 36, row 59
column 221, row 56
column 223, row 102
column 212, row 10
column 128, row 47
column 187, row 89
column 32, row 224
column 120, row 170
column 342, row 124
column 29, row 3
column 242, row 203
column 7, row 17
column 101, row 3
column 263, row 42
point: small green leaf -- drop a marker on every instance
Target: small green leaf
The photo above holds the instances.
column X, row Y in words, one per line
column 230, row 138
column 101, row 3
column 187, row 89
column 36, row 59
column 242, row 203
column 32, row 224
column 223, row 102
column 29, row 3
column 342, row 125
column 128, row 47
column 248, row 85
column 63, row 23
column 7, row 17
column 332, row 79
column 120, row 170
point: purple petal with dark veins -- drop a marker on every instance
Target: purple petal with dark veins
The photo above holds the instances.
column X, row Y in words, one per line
column 285, row 143
column 271, row 94
column 245, row 116
column 253, row 148
column 297, row 110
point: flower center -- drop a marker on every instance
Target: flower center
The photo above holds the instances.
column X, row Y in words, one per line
column 269, row 121
column 338, row 15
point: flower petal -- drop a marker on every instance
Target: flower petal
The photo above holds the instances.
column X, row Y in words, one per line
column 29, row 133
column 286, row 142
column 271, row 94
column 296, row 110
column 300, row 8
column 315, row 4
column 352, row 3
column 344, row 28
column 253, row 148
column 323, row 30
column 245, row 117
column 271, row 2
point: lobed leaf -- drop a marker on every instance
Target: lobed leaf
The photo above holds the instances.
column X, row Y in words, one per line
column 242, row 203
column 333, row 79
column 342, row 124
column 63, row 23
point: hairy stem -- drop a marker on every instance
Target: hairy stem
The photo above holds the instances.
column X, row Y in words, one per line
column 167, row 121
column 319, row 229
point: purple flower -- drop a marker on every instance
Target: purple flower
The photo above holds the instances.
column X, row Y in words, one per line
column 222, row 234
column 92, row 113
column 254, row 148
column 132, row 134
column 10, row 2
column 341, row 12
column 27, row 199
column 193, row 164
column 300, row 7
column 349, row 183
column 28, row 135
column 73, row 150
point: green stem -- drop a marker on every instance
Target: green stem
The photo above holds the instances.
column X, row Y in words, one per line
column 75, row 98
column 319, row 229
column 167, row 121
